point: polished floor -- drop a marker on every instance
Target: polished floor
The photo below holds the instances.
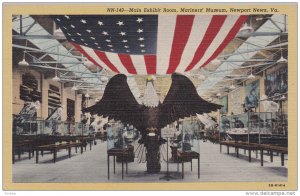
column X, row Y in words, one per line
column 91, row 166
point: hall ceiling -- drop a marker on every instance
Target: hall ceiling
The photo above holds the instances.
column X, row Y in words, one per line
column 162, row 83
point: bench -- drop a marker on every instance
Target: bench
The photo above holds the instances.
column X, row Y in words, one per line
column 256, row 147
column 54, row 148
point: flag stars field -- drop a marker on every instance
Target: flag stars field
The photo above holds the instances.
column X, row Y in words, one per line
column 190, row 41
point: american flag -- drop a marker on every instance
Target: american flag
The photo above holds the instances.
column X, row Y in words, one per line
column 150, row 44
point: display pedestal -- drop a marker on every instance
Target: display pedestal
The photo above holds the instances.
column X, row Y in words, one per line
column 130, row 157
column 153, row 155
column 174, row 153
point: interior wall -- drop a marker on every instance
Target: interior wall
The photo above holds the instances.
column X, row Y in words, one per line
column 68, row 93
column 231, row 96
column 18, row 103
column 43, row 86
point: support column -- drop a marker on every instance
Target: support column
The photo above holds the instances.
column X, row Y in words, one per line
column 271, row 156
column 261, row 157
column 108, row 167
column 282, row 159
column 249, row 155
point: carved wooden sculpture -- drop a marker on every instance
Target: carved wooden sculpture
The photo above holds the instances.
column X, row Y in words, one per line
column 182, row 100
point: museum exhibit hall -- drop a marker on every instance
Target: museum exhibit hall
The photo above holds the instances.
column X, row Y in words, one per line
column 149, row 98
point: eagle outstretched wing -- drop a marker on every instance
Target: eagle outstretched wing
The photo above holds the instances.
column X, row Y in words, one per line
column 182, row 100
column 118, row 103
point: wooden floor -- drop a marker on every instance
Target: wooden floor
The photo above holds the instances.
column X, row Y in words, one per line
column 91, row 166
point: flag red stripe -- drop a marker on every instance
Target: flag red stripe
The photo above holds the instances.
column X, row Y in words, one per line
column 182, row 32
column 211, row 32
column 228, row 38
column 105, row 60
column 127, row 62
column 78, row 47
column 150, row 61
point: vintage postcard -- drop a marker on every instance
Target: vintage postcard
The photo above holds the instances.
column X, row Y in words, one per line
column 150, row 96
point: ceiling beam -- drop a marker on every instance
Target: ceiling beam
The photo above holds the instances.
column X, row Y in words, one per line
column 54, row 62
column 255, row 34
column 276, row 25
column 45, row 51
column 84, row 82
column 17, row 37
column 255, row 50
column 62, row 69
column 248, row 60
column 29, row 28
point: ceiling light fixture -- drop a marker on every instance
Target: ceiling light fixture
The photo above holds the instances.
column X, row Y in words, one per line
column 232, row 87
column 88, row 63
column 23, row 62
column 103, row 78
column 216, row 62
column 56, row 78
column 246, row 30
column 202, row 77
column 282, row 59
column 74, row 88
column 58, row 33
column 251, row 76
column 283, row 97
column 87, row 94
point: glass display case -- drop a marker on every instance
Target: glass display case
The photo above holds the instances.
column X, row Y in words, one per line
column 190, row 129
column 39, row 126
column 188, row 143
column 258, row 127
column 119, row 139
column 115, row 138
column 53, row 127
column 26, row 125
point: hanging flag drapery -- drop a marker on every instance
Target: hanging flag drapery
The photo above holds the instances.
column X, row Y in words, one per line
column 150, row 44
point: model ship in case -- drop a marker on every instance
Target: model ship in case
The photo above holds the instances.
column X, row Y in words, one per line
column 263, row 127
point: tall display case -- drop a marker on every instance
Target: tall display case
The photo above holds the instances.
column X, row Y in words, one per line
column 119, row 139
column 189, row 135
column 115, row 138
column 189, row 146
column 119, row 145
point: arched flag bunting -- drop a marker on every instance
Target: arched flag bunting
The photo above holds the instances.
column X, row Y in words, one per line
column 150, row 44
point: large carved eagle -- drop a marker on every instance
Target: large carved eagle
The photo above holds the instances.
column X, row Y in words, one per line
column 119, row 103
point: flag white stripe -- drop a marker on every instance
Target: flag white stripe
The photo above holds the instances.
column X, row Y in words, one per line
column 223, row 32
column 115, row 60
column 139, row 64
column 93, row 55
column 199, row 28
column 166, row 28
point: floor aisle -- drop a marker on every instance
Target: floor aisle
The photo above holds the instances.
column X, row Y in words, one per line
column 91, row 166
